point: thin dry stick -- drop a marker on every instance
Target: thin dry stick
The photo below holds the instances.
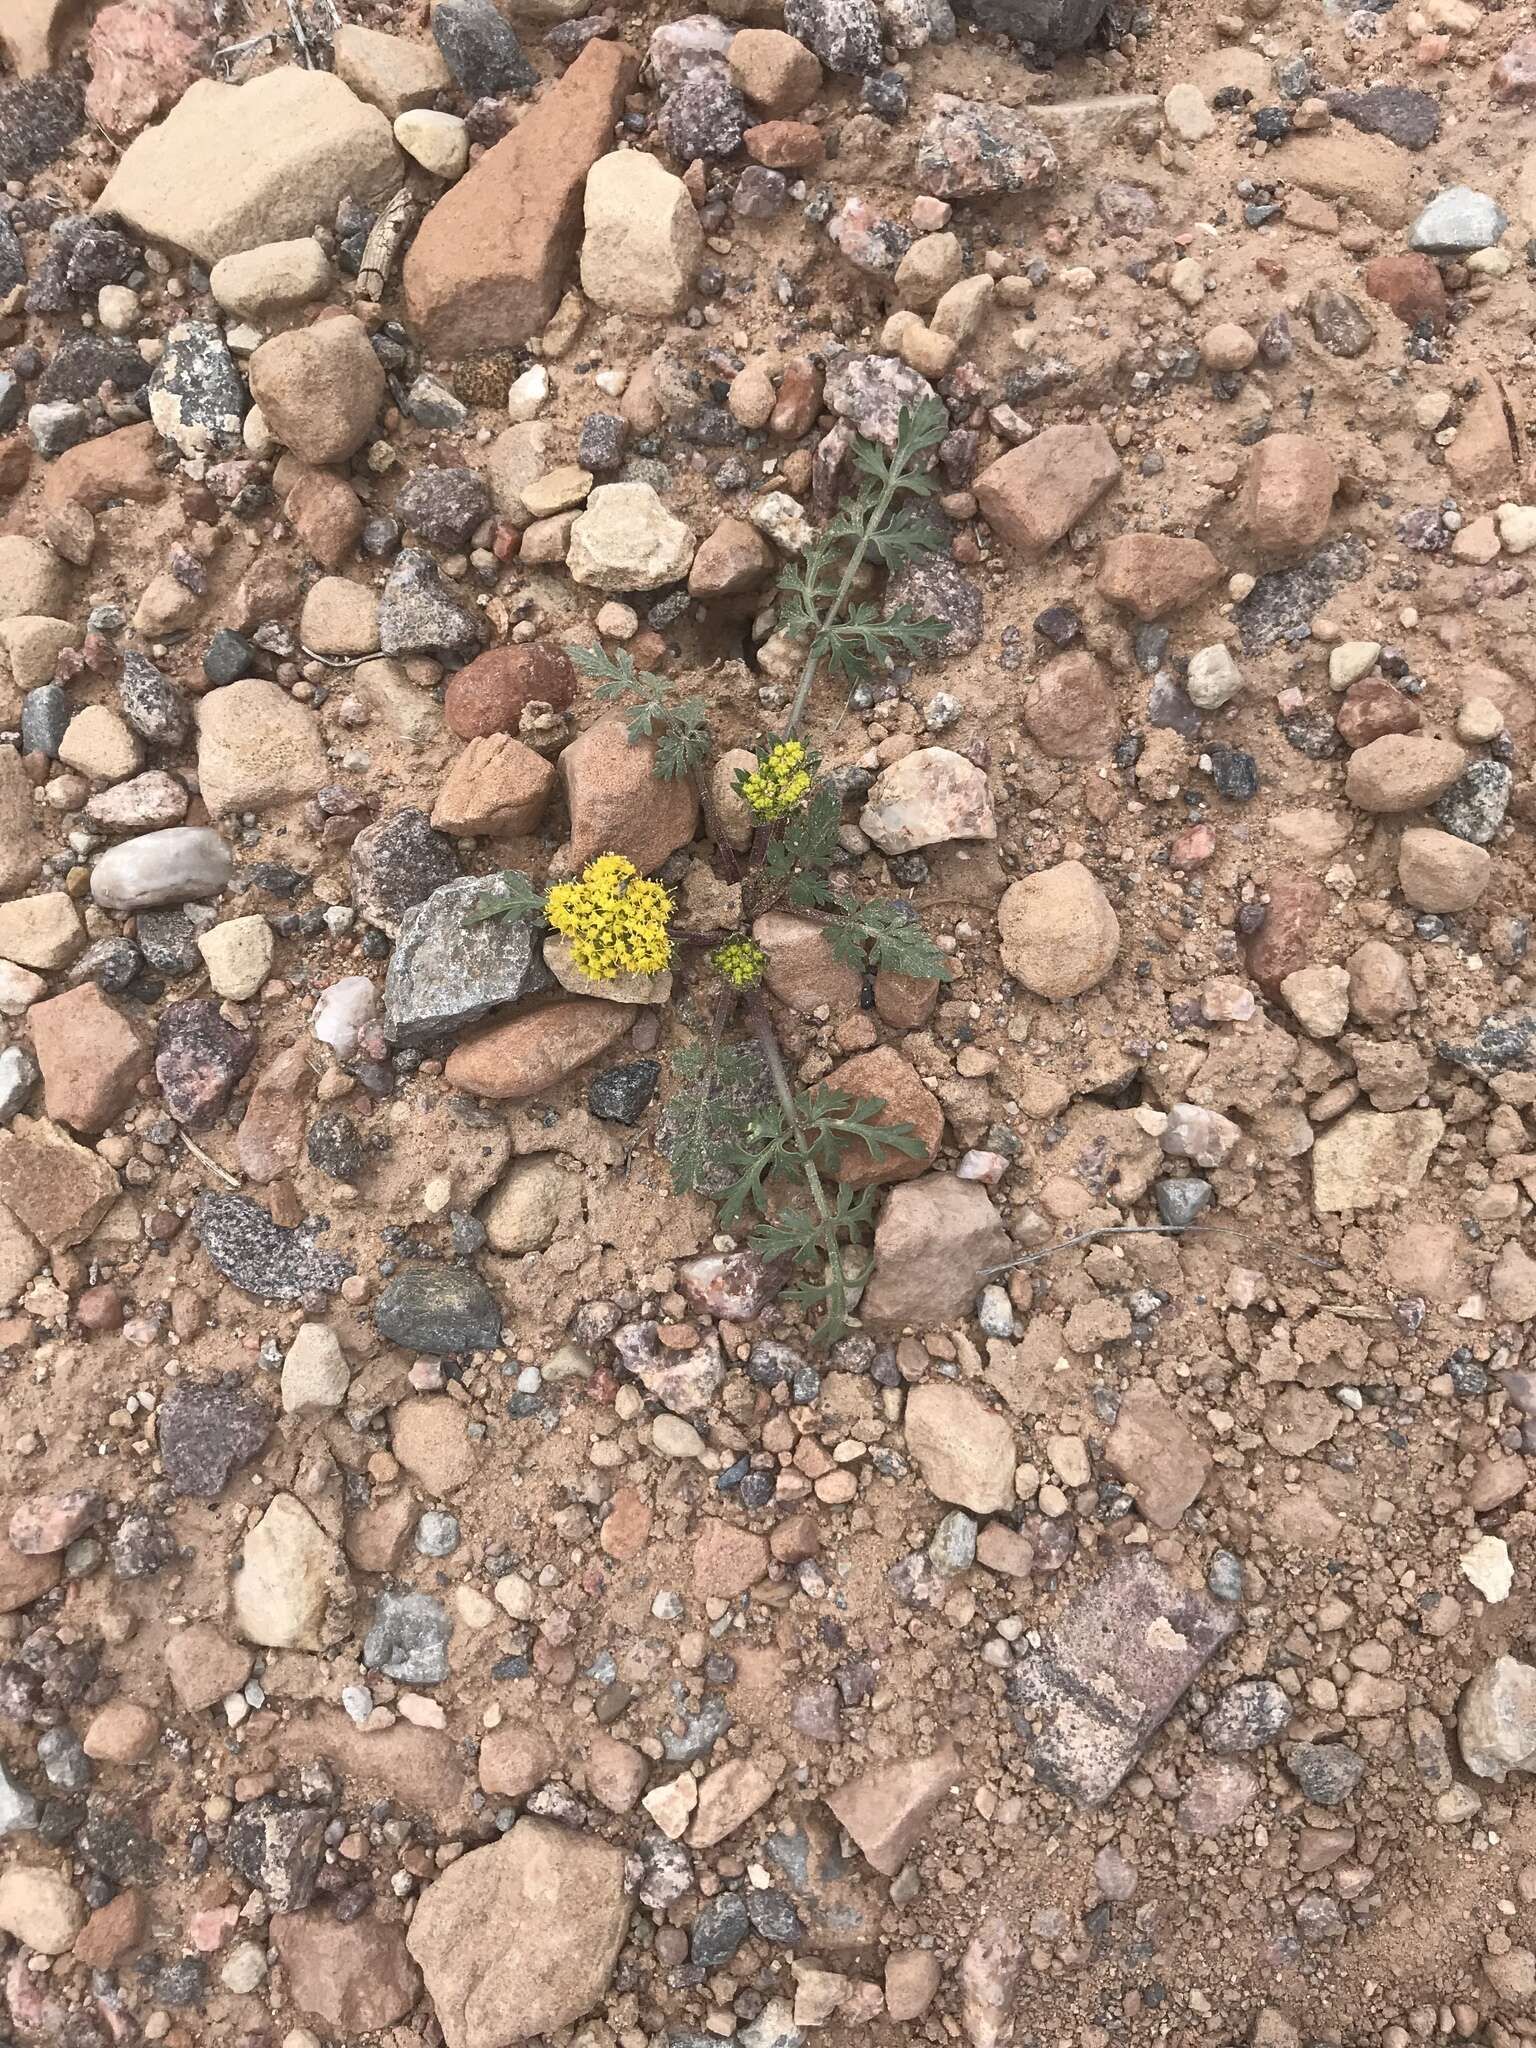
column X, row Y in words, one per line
column 1160, row 1230
column 212, row 1165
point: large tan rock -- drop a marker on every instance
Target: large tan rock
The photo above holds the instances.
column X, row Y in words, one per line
column 320, row 388
column 350, row 1977
column 643, row 241
column 963, row 1449
column 1037, row 492
column 392, row 73
column 886, row 1810
column 33, row 581
column 935, row 1242
column 234, row 166
column 520, row 1938
column 1154, row 573
column 256, row 747
column 1402, row 771
column 54, row 1188
column 1060, row 934
column 43, row 932
column 40, row 1907
column 627, row 540
column 1371, row 1158
column 488, row 266
column 617, row 802
column 93, row 1052
column 528, row 1055
column 497, row 789
column 1439, row 872
column 289, row 1570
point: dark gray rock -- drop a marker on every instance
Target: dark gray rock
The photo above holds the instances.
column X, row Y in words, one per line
column 1052, row 25
column 259, row 1256
column 1458, row 221
column 18, row 1809
column 481, row 50
column 278, row 1848
column 934, row 587
column 845, row 34
column 705, row 116
column 622, row 1095
column 444, row 1311
column 1247, row 1715
column 760, row 194
column 397, row 864
column 1403, row 115
column 409, row 1638
column 39, row 119
column 1282, row 604
column 1473, row 808
column 417, row 615
column 13, row 399
column 199, row 1056
column 1327, row 1772
column 58, row 427
column 152, row 704
column 1128, row 210
column 168, row 939
column 113, row 964
column 62, row 1756
column 1180, row 1202
column 205, row 1431
column 773, row 1917
column 79, row 367
column 1340, row 323
column 431, row 404
column 13, row 262
column 45, row 715
column 600, row 444
column 449, row 970
column 1505, row 1044
column 197, row 397
column 100, row 255
column 335, row 1146
column 720, row 1929
column 444, row 505
column 230, row 657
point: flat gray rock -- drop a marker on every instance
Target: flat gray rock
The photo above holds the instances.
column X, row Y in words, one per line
column 447, row 972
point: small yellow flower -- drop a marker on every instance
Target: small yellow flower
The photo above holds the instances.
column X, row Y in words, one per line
column 740, row 961
column 615, row 920
column 778, row 784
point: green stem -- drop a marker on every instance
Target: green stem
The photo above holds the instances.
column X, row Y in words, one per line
column 872, row 526
column 768, row 1044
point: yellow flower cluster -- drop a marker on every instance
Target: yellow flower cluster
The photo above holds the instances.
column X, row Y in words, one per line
column 780, row 781
column 740, row 961
column 616, row 921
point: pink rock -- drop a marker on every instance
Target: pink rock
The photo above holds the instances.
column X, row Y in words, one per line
column 1192, row 848
column 142, row 60
column 207, row 1930
column 50, row 1522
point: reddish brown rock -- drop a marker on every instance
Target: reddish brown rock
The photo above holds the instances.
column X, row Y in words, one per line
column 1288, row 493
column 327, row 515
column 735, row 557
column 1482, row 459
column 884, row 1076
column 1410, row 285
column 727, row 1561
column 98, row 473
column 886, row 1810
column 515, row 1760
column 1150, row 1449
column 626, row 1526
column 785, row 145
column 271, row 1136
column 53, row 1187
column 1037, row 493
column 904, row 1001
column 1154, row 573
column 351, row 1977
column 1371, row 708
column 497, row 789
column 617, row 802
column 802, row 969
column 1297, row 907
column 142, row 58
column 1514, row 76
column 113, row 1931
column 530, row 1054
column 93, row 1052
column 488, row 266
column 490, row 694
column 1070, row 712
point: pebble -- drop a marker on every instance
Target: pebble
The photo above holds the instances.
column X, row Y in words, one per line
column 1456, row 222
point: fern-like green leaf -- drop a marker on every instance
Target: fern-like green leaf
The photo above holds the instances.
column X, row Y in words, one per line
column 875, row 936
column 508, row 894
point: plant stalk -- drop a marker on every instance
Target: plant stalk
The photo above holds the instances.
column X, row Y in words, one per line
column 768, row 1044
column 855, row 562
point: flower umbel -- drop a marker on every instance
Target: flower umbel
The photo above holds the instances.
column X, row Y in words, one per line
column 615, row 920
column 778, row 784
column 740, row 961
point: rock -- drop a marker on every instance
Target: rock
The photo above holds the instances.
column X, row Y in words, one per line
column 498, row 788
column 450, row 969
column 627, row 540
column 727, row 1561
column 932, row 587
column 1246, row 1716
column 1036, row 493
column 515, row 1761
column 1438, row 872
column 844, row 34
column 1402, row 772
column 871, row 393
column 524, row 1212
column 392, row 73
column 438, row 142
column 315, row 1373
column 491, row 693
column 618, row 804
column 30, row 33
column 39, row 119
column 278, row 1849
column 971, row 149
column 927, row 798
column 1373, row 707
column 199, row 1057
column 319, row 388
column 41, row 931
column 99, row 744
column 1298, row 904
column 205, row 1432
column 256, row 748
column 54, row 1188
column 1511, row 1289
column 408, row 1639
column 529, row 1055
column 481, row 50
column 488, row 265
column 33, row 581
column 345, row 1976
column 197, row 398
column 912, row 1978
column 1370, row 1158
column 964, row 1450
column 152, row 704
column 1411, row 286
column 1071, row 712
column 1050, row 25
column 1216, row 1798
column 1060, row 934
column 1496, row 1720
column 184, row 864
column 145, row 803
column 40, row 1908
column 444, row 506
column 1152, row 574
column 236, row 166
column 1327, row 1772
column 397, row 864
column 1457, row 222
column 732, row 559
column 1214, row 678
column 1340, row 322
column 774, row 71
column 204, row 1666
column 92, row 1052
column 289, row 1571
column 936, row 1238
column 1318, row 998
column 1405, row 116
column 417, row 615
column 340, row 619
column 520, row 1938
column 1288, row 493
column 50, row 1522
column 142, row 60
column 445, row 1311
column 259, row 1256
column 623, row 1094
column 1151, row 1450
column 1110, row 1673
column 887, row 1810
column 1474, row 807
column 802, row 969
column 885, row 1077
